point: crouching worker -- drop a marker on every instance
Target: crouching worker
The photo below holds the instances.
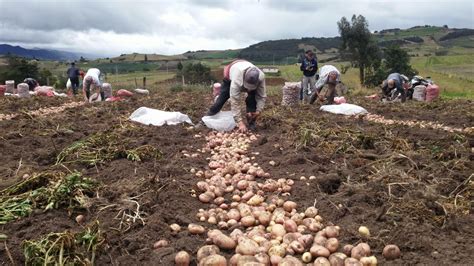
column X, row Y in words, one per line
column 91, row 80
column 328, row 75
column 242, row 77
column 32, row 83
column 393, row 82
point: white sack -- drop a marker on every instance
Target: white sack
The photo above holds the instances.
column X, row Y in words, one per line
column 344, row 109
column 222, row 121
column 149, row 116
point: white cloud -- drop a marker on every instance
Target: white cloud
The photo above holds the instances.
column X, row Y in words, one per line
column 112, row 27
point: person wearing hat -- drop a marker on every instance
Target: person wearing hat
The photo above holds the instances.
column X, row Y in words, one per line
column 309, row 66
column 328, row 75
column 241, row 77
column 394, row 80
column 73, row 76
column 91, row 80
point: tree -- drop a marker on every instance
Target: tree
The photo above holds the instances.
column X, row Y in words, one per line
column 359, row 44
column 45, row 76
column 18, row 69
column 195, row 73
column 395, row 59
column 398, row 60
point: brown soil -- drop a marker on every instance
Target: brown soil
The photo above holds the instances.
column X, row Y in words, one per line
column 400, row 182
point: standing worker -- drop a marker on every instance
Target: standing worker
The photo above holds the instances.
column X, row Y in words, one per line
column 309, row 66
column 241, row 76
column 73, row 76
column 328, row 75
column 91, row 80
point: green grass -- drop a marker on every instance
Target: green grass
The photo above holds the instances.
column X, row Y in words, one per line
column 224, row 54
column 453, row 73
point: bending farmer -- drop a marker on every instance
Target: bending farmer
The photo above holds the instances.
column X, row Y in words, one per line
column 393, row 82
column 328, row 75
column 91, row 80
column 241, row 77
column 73, row 76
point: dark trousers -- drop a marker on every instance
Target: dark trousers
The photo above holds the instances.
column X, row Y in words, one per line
column 74, row 84
column 250, row 101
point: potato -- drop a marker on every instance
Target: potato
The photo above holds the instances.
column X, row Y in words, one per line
column 331, row 231
column 223, row 241
column 290, row 226
column 277, row 250
column 206, row 251
column 290, row 237
column 80, row 219
column 247, row 246
column 352, row 262
column 337, row 259
column 289, row 205
column 233, row 214
column 391, row 252
column 278, row 230
column 263, row 258
column 361, row 250
column 213, row 260
column 206, row 197
column 161, row 243
column 196, row 229
column 247, row 221
column 255, row 200
column 347, row 249
column 297, row 247
column 275, row 260
column 311, row 212
column 264, row 218
column 369, row 261
column 175, row 228
column 182, row 259
column 319, row 251
column 321, row 261
column 306, row 240
column 332, row 244
column 234, row 259
column 364, row 232
column 290, row 261
column 320, row 240
column 306, row 257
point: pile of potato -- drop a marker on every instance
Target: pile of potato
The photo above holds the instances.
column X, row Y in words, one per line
column 265, row 227
column 44, row 111
column 410, row 123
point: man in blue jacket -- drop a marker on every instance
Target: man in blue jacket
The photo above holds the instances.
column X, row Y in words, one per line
column 393, row 81
column 309, row 66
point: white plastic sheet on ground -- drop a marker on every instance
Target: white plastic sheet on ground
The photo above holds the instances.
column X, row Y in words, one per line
column 149, row 116
column 222, row 121
column 344, row 109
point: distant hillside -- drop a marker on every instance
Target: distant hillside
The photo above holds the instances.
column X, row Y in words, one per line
column 137, row 57
column 44, row 54
column 212, row 54
column 419, row 40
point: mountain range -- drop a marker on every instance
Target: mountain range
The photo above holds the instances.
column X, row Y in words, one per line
column 42, row 54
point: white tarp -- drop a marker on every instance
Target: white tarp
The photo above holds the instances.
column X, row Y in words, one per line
column 222, row 121
column 344, row 109
column 149, row 116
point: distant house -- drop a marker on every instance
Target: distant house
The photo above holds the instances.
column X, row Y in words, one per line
column 271, row 70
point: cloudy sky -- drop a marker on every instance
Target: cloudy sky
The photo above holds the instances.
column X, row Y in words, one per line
column 112, row 27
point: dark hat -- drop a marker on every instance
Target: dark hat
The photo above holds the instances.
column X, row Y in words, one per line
column 251, row 78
